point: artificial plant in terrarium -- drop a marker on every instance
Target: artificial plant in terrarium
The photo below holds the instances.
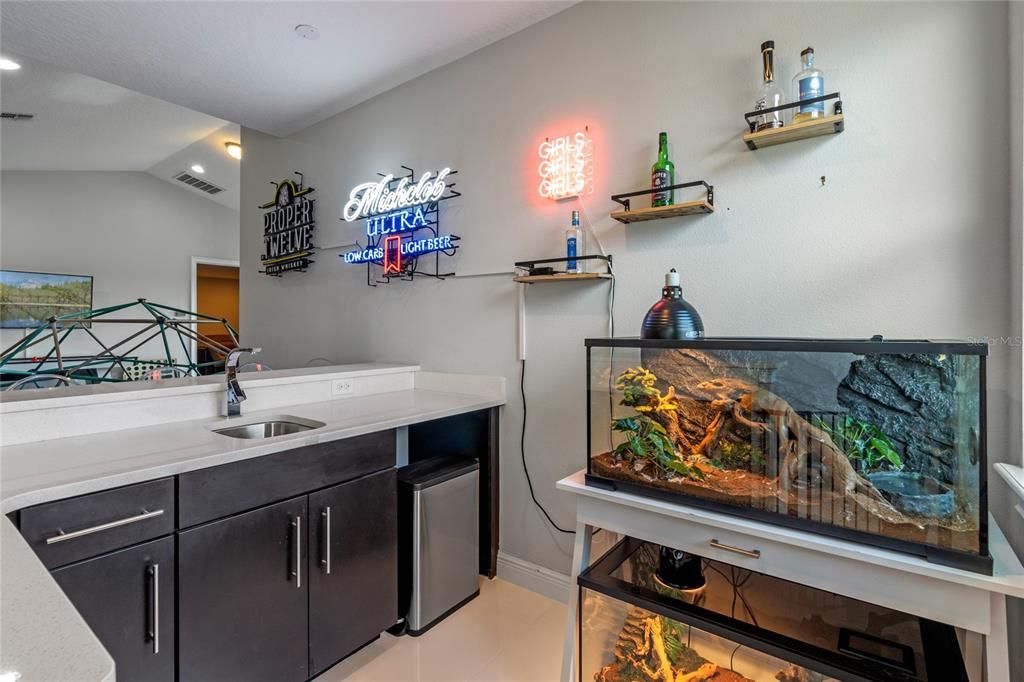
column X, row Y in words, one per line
column 647, row 439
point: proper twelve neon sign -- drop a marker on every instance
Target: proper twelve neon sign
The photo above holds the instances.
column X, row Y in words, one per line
column 564, row 166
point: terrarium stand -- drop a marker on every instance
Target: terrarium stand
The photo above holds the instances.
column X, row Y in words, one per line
column 972, row 601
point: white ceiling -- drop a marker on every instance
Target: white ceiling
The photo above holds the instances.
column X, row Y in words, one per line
column 82, row 123
column 243, row 62
column 218, row 168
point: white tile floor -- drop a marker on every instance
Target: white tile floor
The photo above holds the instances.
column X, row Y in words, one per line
column 507, row 634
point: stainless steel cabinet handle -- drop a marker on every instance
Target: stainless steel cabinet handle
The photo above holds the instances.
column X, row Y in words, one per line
column 154, row 632
column 326, row 560
column 752, row 553
column 61, row 536
column 297, row 525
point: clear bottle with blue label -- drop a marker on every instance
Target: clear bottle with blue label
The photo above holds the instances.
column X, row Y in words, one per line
column 808, row 84
column 574, row 245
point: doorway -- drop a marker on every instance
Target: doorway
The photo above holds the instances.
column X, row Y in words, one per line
column 214, row 293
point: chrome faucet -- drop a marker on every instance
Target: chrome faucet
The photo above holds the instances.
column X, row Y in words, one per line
column 234, row 393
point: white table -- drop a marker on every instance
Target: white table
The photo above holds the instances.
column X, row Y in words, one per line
column 974, row 602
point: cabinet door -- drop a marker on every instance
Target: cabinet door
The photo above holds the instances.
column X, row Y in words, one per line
column 127, row 598
column 242, row 607
column 353, row 577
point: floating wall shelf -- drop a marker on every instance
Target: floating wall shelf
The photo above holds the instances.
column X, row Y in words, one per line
column 561, row 277
column 698, row 207
column 817, row 127
column 526, row 266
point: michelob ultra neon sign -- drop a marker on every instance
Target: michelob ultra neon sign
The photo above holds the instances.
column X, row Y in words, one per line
column 374, row 198
column 402, row 218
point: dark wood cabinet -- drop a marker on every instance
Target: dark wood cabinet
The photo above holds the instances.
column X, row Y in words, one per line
column 216, row 492
column 242, row 608
column 127, row 598
column 272, row 568
column 353, row 581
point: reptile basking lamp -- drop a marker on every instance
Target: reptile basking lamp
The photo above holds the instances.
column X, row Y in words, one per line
column 679, row 570
column 672, row 317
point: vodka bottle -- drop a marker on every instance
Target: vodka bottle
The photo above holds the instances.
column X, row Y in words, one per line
column 575, row 245
column 807, row 84
column 663, row 174
column 769, row 94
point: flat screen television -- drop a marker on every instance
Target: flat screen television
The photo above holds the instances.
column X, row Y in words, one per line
column 29, row 298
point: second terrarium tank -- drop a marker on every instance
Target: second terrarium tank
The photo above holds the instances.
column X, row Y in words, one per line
column 875, row 440
column 737, row 625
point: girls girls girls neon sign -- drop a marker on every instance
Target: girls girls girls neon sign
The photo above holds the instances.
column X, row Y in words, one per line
column 565, row 166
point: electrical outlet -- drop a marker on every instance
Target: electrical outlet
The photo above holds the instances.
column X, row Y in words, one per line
column 343, row 387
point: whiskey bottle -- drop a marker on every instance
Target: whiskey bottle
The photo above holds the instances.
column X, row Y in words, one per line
column 663, row 174
column 770, row 94
column 808, row 84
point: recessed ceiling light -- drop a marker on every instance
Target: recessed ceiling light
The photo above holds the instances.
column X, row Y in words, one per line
column 9, row 65
column 196, row 168
column 308, row 32
column 234, row 149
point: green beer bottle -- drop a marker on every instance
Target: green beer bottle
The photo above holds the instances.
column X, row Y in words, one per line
column 663, row 174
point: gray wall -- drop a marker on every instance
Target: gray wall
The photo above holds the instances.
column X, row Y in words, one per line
column 1011, row 520
column 908, row 237
column 133, row 233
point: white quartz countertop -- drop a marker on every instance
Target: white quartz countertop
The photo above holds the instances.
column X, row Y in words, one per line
column 49, row 470
column 42, row 636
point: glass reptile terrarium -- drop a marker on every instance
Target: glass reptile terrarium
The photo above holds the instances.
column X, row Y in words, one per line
column 878, row 441
column 743, row 626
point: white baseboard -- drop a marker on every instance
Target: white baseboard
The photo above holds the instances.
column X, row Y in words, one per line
column 533, row 577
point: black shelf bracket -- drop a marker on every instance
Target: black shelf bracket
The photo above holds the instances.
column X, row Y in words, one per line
column 529, row 264
column 624, row 198
column 837, row 108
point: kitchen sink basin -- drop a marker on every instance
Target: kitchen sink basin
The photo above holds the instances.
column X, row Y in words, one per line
column 278, row 426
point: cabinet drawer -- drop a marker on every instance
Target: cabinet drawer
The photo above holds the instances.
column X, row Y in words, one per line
column 214, row 493
column 82, row 527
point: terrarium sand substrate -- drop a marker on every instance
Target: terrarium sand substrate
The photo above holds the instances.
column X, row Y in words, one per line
column 753, row 491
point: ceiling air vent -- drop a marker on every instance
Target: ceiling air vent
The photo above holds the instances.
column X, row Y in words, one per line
column 198, row 183
column 14, row 116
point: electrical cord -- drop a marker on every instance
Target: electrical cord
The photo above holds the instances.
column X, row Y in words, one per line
column 522, row 391
column 522, row 452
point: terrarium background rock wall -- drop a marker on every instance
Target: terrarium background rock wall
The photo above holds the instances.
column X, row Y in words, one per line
column 924, row 404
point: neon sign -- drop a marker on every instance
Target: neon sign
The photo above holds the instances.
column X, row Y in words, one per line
column 288, row 228
column 374, row 198
column 402, row 218
column 564, row 166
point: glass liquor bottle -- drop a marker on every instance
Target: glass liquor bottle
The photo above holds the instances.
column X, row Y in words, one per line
column 769, row 94
column 663, row 174
column 808, row 84
column 575, row 245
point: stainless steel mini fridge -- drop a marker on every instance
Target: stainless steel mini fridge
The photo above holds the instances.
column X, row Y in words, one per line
column 439, row 548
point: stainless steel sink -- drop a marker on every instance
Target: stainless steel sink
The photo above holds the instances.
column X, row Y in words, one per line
column 278, row 426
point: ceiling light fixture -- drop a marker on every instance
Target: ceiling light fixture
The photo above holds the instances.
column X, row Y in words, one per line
column 308, row 32
column 234, row 149
column 8, row 64
column 196, row 168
